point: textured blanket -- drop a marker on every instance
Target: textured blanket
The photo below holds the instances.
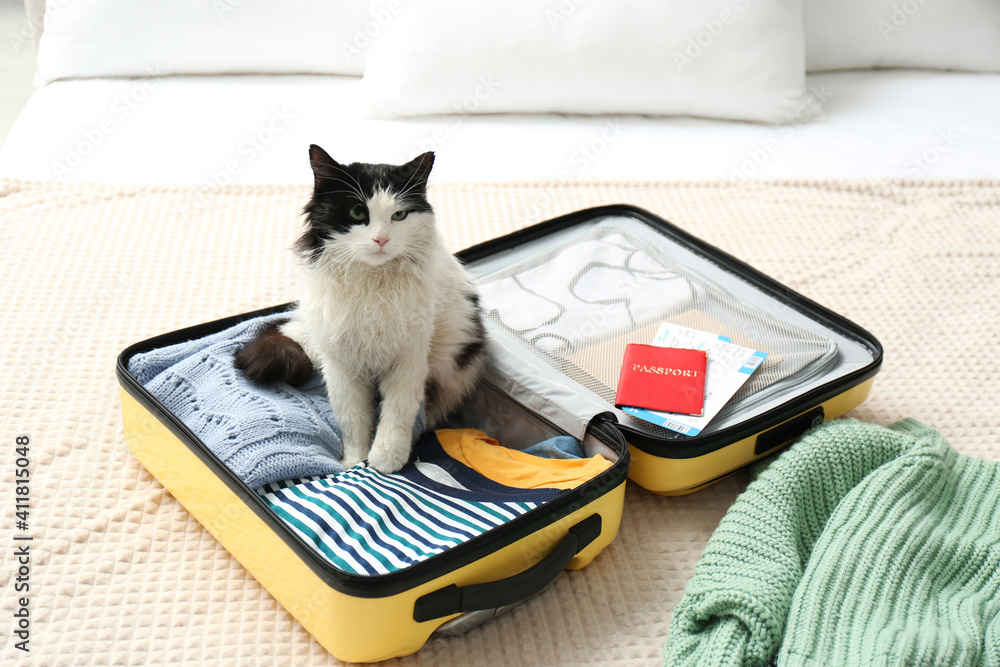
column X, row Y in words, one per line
column 263, row 434
column 121, row 574
column 860, row 545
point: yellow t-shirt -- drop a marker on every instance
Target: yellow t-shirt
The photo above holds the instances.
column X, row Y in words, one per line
column 514, row 468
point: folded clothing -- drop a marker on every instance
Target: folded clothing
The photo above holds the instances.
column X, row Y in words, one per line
column 559, row 447
column 366, row 522
column 860, row 545
column 546, row 465
column 263, row 434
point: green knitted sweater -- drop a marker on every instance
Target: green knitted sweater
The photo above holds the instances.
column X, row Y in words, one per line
column 859, row 545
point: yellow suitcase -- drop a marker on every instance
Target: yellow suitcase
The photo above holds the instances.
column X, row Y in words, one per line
column 363, row 617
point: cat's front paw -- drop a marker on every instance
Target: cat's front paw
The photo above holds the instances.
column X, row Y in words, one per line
column 389, row 458
column 350, row 463
column 355, row 451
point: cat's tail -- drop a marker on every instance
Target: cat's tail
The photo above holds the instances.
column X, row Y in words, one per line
column 274, row 357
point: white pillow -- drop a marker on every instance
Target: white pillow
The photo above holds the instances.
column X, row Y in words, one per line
column 935, row 34
column 742, row 59
column 111, row 38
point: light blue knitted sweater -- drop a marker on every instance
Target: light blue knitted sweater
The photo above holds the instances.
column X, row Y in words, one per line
column 263, row 434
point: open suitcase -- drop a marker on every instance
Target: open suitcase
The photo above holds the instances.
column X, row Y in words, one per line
column 561, row 300
column 564, row 297
column 362, row 617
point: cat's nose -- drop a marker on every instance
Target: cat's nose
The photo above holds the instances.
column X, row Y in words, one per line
column 381, row 240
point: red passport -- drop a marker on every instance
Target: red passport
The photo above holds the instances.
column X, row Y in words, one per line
column 667, row 379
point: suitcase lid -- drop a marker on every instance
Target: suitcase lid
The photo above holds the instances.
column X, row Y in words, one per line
column 563, row 297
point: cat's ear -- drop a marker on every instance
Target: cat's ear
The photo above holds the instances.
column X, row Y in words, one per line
column 324, row 167
column 419, row 168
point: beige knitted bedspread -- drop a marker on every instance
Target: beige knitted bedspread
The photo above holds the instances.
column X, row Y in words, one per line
column 121, row 574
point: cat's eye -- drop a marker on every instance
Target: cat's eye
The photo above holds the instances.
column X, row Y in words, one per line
column 359, row 213
column 399, row 215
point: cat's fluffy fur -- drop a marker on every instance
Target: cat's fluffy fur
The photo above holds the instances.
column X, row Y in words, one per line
column 387, row 314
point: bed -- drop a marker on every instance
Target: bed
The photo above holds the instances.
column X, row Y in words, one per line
column 256, row 129
column 136, row 202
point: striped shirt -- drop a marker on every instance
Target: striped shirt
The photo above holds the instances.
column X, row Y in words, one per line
column 366, row 522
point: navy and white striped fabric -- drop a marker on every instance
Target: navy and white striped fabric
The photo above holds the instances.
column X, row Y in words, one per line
column 366, row 522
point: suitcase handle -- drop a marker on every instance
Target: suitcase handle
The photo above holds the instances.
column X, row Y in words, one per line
column 453, row 599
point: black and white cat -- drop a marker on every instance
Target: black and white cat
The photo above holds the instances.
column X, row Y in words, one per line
column 388, row 316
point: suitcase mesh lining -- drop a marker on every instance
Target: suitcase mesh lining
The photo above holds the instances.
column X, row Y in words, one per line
column 578, row 304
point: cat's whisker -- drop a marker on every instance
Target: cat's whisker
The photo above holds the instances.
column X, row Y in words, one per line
column 340, row 254
column 353, row 186
column 348, row 174
column 408, row 190
column 342, row 192
column 406, row 186
column 350, row 188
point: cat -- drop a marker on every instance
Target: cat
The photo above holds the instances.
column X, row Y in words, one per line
column 387, row 314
